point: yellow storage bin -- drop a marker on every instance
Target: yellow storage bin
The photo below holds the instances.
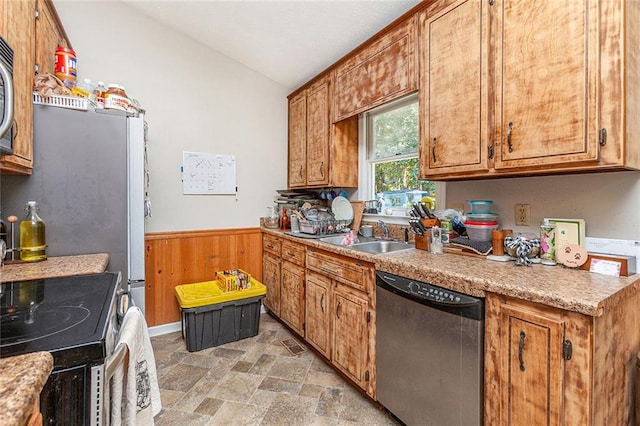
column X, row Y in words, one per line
column 210, row 292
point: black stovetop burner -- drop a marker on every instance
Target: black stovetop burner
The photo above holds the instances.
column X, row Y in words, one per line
column 65, row 316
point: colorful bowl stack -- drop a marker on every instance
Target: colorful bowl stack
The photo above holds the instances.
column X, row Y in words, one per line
column 480, row 223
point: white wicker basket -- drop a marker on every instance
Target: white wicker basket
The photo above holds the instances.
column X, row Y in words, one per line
column 71, row 102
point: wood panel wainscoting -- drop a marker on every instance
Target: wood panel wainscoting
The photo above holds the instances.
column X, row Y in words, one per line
column 183, row 257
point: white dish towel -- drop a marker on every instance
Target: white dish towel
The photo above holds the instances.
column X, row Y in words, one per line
column 135, row 398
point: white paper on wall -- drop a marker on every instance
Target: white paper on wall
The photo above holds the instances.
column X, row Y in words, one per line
column 206, row 173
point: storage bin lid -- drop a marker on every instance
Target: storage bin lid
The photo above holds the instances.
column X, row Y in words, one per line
column 209, row 293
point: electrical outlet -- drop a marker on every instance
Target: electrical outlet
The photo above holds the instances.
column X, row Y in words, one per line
column 523, row 214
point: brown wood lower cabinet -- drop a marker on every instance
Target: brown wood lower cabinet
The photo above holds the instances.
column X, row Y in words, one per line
column 176, row 258
column 317, row 317
column 548, row 366
column 272, row 271
column 271, row 276
column 329, row 301
column 340, row 314
column 351, row 320
column 292, row 296
column 531, row 356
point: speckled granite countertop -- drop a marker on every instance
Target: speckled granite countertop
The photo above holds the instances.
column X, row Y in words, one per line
column 62, row 266
column 21, row 380
column 570, row 289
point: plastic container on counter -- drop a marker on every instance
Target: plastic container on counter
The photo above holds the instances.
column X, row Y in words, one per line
column 480, row 231
column 481, row 217
column 481, row 206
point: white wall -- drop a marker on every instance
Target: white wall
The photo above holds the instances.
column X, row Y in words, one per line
column 609, row 202
column 196, row 100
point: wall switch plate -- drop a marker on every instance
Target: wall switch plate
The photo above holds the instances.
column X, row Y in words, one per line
column 523, row 214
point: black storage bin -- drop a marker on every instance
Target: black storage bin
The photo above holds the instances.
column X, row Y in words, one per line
column 213, row 325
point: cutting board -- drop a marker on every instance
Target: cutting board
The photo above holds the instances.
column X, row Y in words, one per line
column 358, row 209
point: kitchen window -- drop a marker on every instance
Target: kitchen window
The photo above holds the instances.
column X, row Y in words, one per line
column 389, row 165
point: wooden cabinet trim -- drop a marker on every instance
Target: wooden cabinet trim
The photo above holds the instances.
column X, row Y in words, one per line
column 380, row 72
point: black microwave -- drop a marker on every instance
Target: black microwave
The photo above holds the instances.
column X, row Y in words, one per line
column 6, row 97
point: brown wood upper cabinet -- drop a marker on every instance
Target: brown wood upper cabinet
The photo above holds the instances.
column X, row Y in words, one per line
column 309, row 135
column 453, row 95
column 18, row 28
column 49, row 35
column 33, row 30
column 320, row 153
column 379, row 72
column 545, row 83
column 520, row 96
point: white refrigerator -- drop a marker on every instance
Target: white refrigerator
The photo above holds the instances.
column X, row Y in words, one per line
column 89, row 181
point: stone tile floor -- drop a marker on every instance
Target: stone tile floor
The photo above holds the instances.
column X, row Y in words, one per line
column 255, row 381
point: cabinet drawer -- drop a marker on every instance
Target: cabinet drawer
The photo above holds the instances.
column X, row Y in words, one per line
column 271, row 244
column 292, row 252
column 351, row 272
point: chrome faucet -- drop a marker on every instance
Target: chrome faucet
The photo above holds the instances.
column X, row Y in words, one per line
column 384, row 228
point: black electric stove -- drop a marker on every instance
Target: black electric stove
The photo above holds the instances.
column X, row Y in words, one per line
column 73, row 318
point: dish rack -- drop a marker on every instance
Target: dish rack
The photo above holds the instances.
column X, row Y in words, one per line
column 323, row 227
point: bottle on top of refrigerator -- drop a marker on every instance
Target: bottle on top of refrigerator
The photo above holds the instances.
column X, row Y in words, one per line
column 84, row 89
column 32, row 235
column 99, row 92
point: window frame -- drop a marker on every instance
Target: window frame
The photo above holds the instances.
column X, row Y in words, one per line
column 367, row 161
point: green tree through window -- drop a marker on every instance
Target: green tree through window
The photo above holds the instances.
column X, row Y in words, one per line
column 393, row 152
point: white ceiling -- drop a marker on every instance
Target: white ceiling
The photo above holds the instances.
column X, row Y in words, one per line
column 288, row 41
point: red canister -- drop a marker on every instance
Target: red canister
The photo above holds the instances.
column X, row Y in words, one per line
column 66, row 66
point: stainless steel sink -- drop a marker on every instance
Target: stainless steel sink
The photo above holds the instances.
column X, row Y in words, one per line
column 367, row 244
column 381, row 246
column 336, row 240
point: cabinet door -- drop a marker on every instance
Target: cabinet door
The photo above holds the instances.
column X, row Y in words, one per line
column 532, row 367
column 297, row 140
column 350, row 335
column 379, row 73
column 546, row 81
column 317, row 322
column 19, row 25
column 453, row 89
column 271, row 279
column 49, row 35
column 318, row 127
column 292, row 297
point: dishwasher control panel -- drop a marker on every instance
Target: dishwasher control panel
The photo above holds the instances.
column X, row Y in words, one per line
column 426, row 291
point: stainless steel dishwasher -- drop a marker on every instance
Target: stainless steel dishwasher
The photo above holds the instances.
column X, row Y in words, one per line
column 430, row 353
